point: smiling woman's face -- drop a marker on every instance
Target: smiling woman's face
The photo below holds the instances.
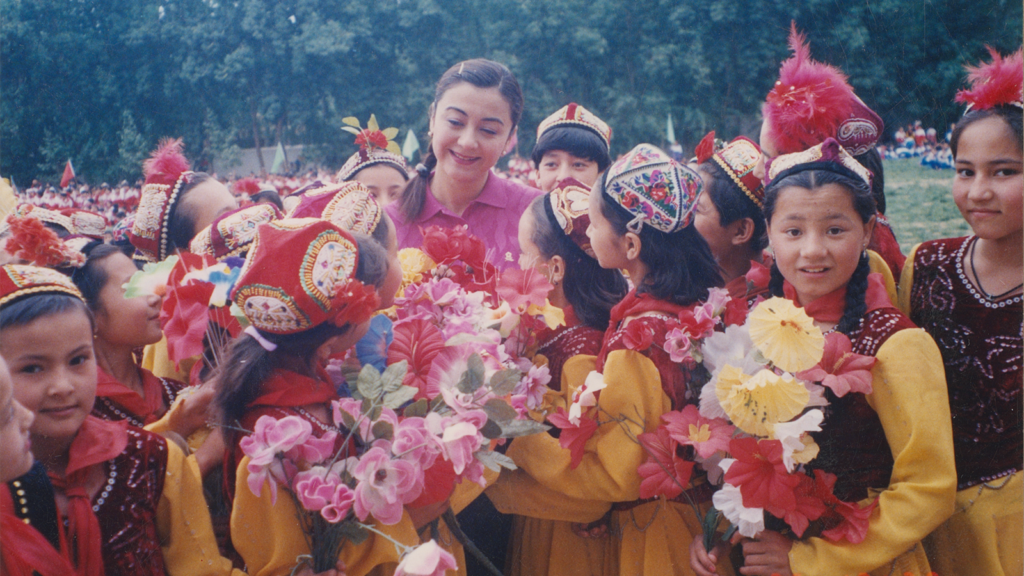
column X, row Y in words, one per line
column 470, row 128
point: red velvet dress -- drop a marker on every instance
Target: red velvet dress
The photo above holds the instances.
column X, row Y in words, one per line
column 115, row 401
column 564, row 342
column 883, row 241
column 981, row 348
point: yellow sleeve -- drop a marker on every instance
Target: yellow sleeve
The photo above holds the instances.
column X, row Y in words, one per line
column 467, row 491
column 608, row 471
column 907, row 282
column 170, row 420
column 269, row 538
column 183, row 522
column 516, row 492
column 909, row 395
column 155, row 359
column 879, row 265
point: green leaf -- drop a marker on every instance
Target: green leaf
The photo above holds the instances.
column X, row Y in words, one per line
column 491, row 430
column 369, row 383
column 418, row 408
column 499, row 411
column 393, row 375
column 504, row 381
column 383, row 430
column 517, row 428
column 397, row 398
column 473, row 378
column 355, row 533
column 347, row 420
column 494, row 460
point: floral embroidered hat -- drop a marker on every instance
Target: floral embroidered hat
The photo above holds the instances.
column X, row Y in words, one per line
column 573, row 114
column 996, row 83
column 656, row 189
column 299, row 274
column 376, row 146
column 829, row 155
column 166, row 172
column 86, row 223
column 569, row 204
column 812, row 101
column 232, row 233
column 348, row 205
column 18, row 280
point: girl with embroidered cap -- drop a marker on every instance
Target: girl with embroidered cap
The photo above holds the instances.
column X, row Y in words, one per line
column 888, row 445
column 812, row 101
column 124, row 501
column 641, row 214
column 378, row 164
column 728, row 215
column 966, row 292
column 473, row 120
column 553, row 239
column 308, row 289
column 571, row 143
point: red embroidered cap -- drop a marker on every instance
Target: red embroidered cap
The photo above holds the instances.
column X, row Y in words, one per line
column 166, row 172
column 232, row 233
column 573, row 114
column 299, row 274
column 18, row 280
column 738, row 159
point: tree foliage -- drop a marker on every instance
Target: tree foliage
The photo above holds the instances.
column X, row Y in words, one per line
column 101, row 81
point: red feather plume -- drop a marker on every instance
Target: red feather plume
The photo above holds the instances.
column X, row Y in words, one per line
column 809, row 100
column 166, row 164
column 998, row 82
column 249, row 186
column 31, row 240
column 706, row 148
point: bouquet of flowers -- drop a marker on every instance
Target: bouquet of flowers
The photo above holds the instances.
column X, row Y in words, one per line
column 766, row 394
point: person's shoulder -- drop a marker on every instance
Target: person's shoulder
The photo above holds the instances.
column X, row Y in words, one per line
column 523, row 193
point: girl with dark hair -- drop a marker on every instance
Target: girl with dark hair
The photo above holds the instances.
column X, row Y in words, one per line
column 890, row 448
column 473, row 120
column 276, row 369
column 378, row 164
column 640, row 214
column 124, row 500
column 728, row 215
column 966, row 292
column 571, row 143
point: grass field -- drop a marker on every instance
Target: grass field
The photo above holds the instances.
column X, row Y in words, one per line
column 919, row 203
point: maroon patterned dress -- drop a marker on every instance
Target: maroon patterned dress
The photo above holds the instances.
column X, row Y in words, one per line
column 981, row 347
column 564, row 342
column 115, row 401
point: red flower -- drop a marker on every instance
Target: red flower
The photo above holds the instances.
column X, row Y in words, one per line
column 736, row 311
column 852, row 521
column 809, row 506
column 629, row 200
column 761, row 475
column 371, row 139
column 356, row 303
column 573, row 437
column 757, row 277
column 188, row 262
column 706, row 148
column 31, row 240
column 445, row 246
column 840, row 369
column 184, row 315
column 419, row 342
column 520, row 288
column 639, row 335
column 664, row 473
column 694, row 327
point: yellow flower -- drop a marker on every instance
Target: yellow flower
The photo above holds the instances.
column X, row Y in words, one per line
column 785, row 335
column 553, row 316
column 809, row 452
column 414, row 264
column 756, row 403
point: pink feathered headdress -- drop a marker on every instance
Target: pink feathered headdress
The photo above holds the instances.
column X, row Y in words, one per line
column 166, row 164
column 998, row 82
column 248, row 186
column 809, row 100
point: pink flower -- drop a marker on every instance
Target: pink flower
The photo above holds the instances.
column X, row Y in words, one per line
column 706, row 435
column 427, row 559
column 270, row 438
column 840, row 369
column 446, row 371
column 809, row 507
column 520, row 288
column 533, row 385
column 518, row 402
column 314, row 449
column 414, row 442
column 698, row 323
column 853, row 523
column 677, row 344
column 340, row 504
column 664, row 473
column 586, row 396
column 717, row 299
column 461, row 438
column 354, row 410
column 321, row 491
column 385, row 485
column 574, row 435
column 757, row 277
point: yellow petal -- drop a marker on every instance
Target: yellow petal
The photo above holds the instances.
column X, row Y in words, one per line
column 351, row 121
column 390, row 133
column 786, row 335
column 809, row 452
column 553, row 315
column 371, row 124
column 756, row 403
column 394, row 149
column 350, row 130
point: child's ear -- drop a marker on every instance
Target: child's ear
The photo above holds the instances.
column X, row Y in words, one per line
column 869, row 229
column 743, row 232
column 324, row 351
column 556, row 268
column 632, row 244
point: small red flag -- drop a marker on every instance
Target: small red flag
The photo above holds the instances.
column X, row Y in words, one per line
column 69, row 174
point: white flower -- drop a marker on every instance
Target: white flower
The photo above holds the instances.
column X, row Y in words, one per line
column 733, row 346
column 585, row 396
column 789, row 433
column 748, row 521
column 710, row 407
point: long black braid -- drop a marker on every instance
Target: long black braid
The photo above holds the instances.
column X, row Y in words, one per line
column 856, row 306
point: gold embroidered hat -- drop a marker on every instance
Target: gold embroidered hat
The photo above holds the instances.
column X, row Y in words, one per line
column 573, row 114
column 232, row 233
column 166, row 172
column 18, row 280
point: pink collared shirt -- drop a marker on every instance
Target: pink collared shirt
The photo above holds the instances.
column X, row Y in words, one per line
column 493, row 217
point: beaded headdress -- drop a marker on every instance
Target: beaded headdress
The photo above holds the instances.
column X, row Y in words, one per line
column 18, row 280
column 829, row 155
column 573, row 114
column 376, row 146
column 86, row 223
column 656, row 189
column 232, row 233
column 166, row 172
column 348, row 205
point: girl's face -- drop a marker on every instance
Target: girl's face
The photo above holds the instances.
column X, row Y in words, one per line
column 609, row 247
column 54, row 371
column 393, row 279
column 989, row 186
column 818, row 238
column 132, row 322
column 206, row 202
column 383, row 181
column 557, row 165
column 470, row 128
column 15, row 421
